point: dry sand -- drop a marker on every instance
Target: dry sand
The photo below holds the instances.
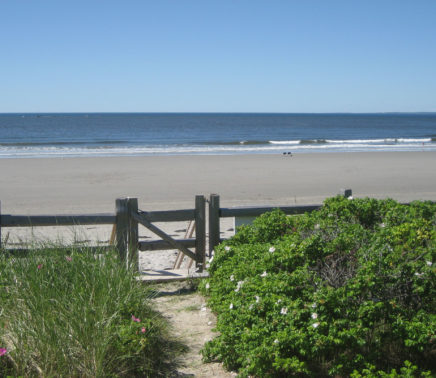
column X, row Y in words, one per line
column 81, row 185
column 91, row 185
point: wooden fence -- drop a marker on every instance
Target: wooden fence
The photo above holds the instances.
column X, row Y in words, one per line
column 128, row 217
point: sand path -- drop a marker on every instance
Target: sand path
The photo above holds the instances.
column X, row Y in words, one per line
column 192, row 322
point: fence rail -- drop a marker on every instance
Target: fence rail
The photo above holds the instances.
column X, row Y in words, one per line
column 216, row 212
column 249, row 211
column 55, row 220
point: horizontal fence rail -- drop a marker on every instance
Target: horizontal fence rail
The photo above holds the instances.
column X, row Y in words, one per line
column 216, row 212
column 251, row 211
column 157, row 245
column 55, row 220
column 168, row 215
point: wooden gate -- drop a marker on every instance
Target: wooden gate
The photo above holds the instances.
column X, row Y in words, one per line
column 128, row 217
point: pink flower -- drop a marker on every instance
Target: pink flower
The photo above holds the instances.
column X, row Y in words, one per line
column 3, row 351
column 68, row 258
column 39, row 266
column 143, row 329
column 135, row 319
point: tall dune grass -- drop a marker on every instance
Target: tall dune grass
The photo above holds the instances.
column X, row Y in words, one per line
column 78, row 314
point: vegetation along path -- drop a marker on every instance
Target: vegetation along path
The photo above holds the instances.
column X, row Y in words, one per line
column 192, row 322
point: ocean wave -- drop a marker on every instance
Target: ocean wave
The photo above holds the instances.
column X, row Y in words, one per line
column 353, row 141
column 234, row 143
column 62, row 143
column 284, row 142
column 381, row 141
column 149, row 150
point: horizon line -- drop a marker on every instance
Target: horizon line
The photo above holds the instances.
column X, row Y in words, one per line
column 212, row 112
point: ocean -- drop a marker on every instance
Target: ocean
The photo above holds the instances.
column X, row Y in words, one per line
column 145, row 134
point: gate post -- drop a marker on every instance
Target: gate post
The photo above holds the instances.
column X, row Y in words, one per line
column 200, row 232
column 122, row 226
column 214, row 222
column 132, row 239
column 346, row 193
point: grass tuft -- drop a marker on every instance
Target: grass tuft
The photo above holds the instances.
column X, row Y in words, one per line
column 79, row 314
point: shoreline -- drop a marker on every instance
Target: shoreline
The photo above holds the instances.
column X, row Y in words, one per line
column 313, row 149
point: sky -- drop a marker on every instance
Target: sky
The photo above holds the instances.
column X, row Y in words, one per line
column 288, row 56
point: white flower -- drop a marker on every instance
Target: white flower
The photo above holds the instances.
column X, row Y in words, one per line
column 314, row 315
column 429, row 263
column 284, row 311
column 276, row 341
column 317, row 226
column 257, row 299
column 207, row 286
column 227, row 248
column 232, row 277
column 239, row 285
column 272, row 249
column 315, row 325
column 419, row 274
column 231, row 306
column 382, row 225
column 313, row 305
column 264, row 274
column 278, row 301
column 250, row 307
column 350, row 198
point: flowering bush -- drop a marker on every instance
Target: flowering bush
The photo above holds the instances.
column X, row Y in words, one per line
column 348, row 290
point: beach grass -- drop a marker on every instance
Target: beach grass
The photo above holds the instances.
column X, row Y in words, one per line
column 78, row 313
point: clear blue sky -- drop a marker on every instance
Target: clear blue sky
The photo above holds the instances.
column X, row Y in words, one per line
column 217, row 56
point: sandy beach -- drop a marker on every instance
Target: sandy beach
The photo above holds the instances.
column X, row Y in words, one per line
column 91, row 185
column 86, row 185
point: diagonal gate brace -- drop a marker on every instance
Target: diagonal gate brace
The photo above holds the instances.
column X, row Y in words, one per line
column 146, row 223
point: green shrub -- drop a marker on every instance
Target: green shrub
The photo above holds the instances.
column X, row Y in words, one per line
column 346, row 290
column 78, row 315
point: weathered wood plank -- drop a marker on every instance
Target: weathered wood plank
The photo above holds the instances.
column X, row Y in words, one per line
column 132, row 208
column 214, row 221
column 23, row 252
column 141, row 219
column 122, row 227
column 169, row 215
column 256, row 211
column 55, row 220
column 200, row 231
column 157, row 276
column 157, row 245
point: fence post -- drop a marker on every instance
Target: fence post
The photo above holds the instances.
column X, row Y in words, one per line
column 132, row 224
column 346, row 193
column 200, row 232
column 214, row 222
column 122, row 223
